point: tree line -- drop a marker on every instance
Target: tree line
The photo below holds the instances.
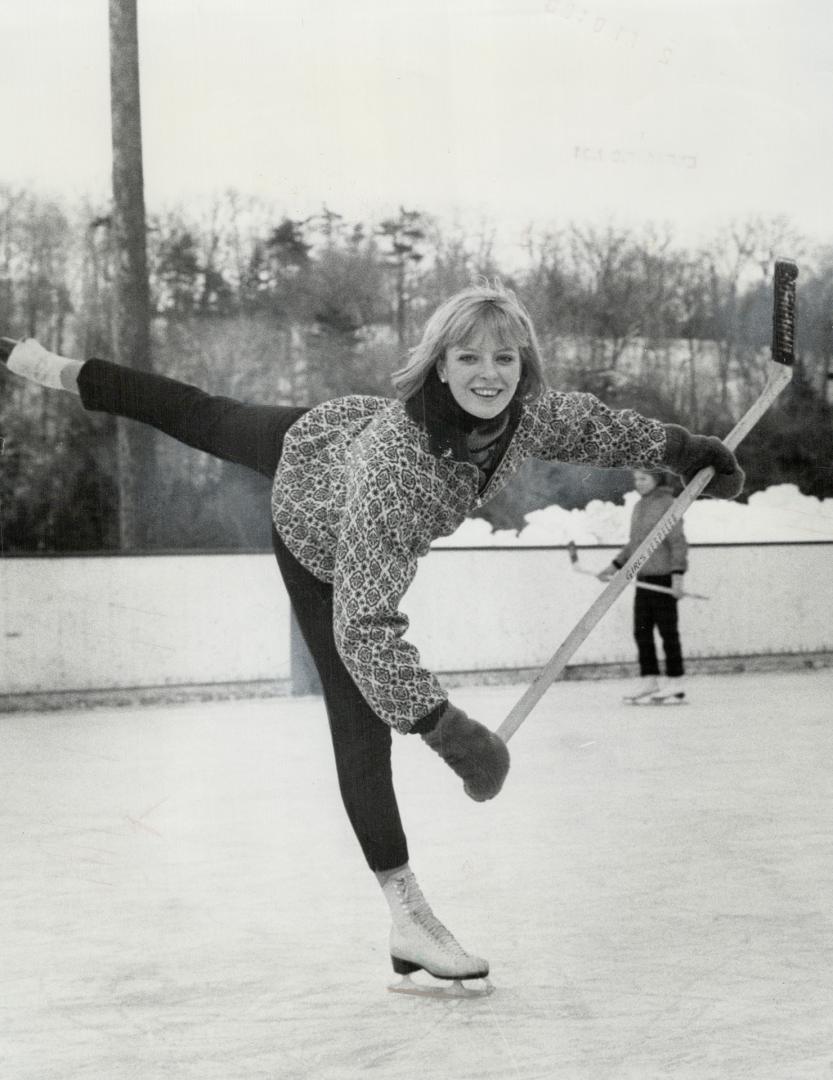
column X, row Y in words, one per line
column 273, row 309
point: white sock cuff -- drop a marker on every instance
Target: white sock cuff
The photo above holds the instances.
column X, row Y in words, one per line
column 384, row 876
column 32, row 361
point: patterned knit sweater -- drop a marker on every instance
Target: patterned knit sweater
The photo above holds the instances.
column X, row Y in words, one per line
column 358, row 498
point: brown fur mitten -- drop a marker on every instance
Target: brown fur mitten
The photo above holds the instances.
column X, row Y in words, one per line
column 476, row 754
column 687, row 454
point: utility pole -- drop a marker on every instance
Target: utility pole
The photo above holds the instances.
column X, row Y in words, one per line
column 131, row 313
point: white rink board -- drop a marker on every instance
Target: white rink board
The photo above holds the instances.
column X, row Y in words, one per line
column 104, row 622
column 487, row 609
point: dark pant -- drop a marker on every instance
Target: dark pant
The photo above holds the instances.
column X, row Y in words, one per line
column 652, row 609
column 252, row 435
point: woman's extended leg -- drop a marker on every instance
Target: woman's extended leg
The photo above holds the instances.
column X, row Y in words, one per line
column 250, row 435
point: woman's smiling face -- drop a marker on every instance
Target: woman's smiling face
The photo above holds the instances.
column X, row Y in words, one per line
column 482, row 375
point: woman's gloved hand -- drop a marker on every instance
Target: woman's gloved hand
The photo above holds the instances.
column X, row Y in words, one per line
column 687, row 454
column 477, row 755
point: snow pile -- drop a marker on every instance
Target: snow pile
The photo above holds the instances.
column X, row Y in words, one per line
column 779, row 514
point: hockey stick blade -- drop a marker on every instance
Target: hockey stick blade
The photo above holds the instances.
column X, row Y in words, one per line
column 783, row 353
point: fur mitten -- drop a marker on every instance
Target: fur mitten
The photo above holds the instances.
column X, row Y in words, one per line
column 476, row 754
column 687, row 454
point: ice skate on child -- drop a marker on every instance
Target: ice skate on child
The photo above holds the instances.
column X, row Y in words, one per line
column 670, row 691
column 643, row 689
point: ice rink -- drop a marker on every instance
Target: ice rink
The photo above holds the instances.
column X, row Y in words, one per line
column 181, row 896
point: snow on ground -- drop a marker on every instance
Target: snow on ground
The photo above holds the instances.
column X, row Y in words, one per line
column 780, row 513
column 181, row 898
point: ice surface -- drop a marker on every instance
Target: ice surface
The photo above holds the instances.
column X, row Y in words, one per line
column 182, row 899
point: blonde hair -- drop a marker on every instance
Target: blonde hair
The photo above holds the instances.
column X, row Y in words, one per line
column 483, row 306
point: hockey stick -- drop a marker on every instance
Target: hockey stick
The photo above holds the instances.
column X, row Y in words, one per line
column 573, row 553
column 783, row 353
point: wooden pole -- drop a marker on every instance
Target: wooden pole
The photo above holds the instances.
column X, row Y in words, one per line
column 131, row 314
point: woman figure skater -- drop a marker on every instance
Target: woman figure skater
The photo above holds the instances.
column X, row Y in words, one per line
column 361, row 487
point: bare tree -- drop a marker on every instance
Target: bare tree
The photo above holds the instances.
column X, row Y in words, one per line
column 405, row 235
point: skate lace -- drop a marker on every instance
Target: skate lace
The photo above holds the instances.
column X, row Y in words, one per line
column 418, row 909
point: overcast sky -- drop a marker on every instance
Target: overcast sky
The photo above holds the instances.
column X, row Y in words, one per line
column 690, row 111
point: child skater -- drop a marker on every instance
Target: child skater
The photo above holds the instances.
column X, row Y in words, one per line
column 361, row 487
column 653, row 609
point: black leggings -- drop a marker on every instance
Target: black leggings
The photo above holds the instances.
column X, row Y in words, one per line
column 653, row 609
column 252, row 435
